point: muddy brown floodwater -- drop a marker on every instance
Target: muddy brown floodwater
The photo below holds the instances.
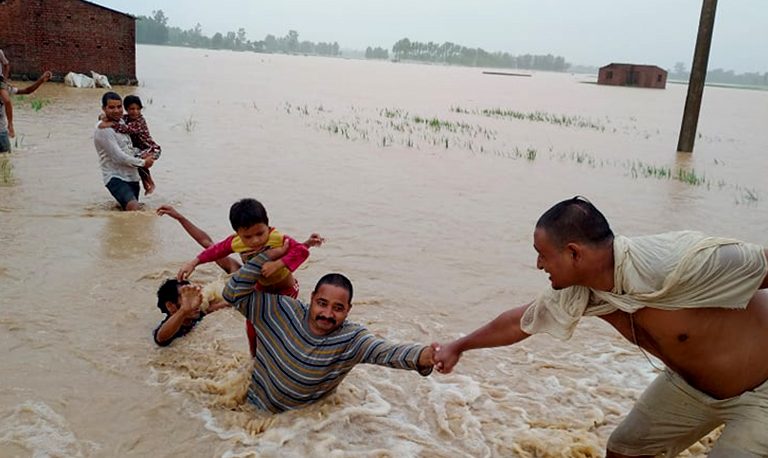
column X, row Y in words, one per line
column 426, row 182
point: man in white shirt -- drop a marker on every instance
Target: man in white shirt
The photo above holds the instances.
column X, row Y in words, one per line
column 119, row 166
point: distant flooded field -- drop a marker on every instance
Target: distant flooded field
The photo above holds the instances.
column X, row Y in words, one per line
column 426, row 182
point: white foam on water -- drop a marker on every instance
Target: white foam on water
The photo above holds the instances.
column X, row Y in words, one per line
column 36, row 427
column 527, row 402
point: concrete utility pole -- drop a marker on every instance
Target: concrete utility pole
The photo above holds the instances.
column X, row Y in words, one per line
column 698, row 76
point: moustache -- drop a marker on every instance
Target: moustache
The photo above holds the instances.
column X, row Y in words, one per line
column 330, row 320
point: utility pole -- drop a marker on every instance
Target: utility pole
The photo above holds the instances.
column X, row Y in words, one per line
column 698, row 76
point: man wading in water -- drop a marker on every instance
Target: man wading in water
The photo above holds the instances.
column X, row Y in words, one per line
column 690, row 300
column 304, row 351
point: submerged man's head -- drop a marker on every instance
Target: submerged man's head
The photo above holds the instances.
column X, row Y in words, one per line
column 168, row 296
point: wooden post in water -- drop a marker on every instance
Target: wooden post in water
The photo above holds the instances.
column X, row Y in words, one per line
column 698, row 76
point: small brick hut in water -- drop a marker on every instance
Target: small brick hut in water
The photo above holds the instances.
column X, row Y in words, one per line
column 633, row 75
column 67, row 36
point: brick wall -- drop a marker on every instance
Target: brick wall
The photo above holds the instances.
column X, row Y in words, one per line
column 67, row 36
column 644, row 76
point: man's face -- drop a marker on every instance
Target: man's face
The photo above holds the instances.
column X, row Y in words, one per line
column 556, row 261
column 133, row 110
column 329, row 308
column 255, row 237
column 113, row 110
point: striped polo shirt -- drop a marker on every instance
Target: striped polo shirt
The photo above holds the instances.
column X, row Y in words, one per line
column 294, row 367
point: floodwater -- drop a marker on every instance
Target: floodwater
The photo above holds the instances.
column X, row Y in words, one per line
column 432, row 221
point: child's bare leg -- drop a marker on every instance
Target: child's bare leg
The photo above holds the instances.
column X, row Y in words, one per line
column 147, row 181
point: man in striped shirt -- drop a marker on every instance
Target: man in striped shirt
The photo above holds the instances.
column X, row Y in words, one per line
column 304, row 352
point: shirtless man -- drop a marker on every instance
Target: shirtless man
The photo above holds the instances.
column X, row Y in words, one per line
column 690, row 300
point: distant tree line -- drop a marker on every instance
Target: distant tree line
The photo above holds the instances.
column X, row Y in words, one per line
column 451, row 53
column 376, row 53
column 718, row 75
column 155, row 30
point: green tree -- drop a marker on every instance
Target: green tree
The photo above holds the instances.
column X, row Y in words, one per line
column 152, row 30
column 217, row 40
column 240, row 41
column 376, row 53
column 229, row 41
column 292, row 41
column 402, row 49
column 270, row 43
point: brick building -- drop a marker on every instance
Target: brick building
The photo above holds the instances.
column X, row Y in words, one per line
column 633, row 75
column 67, row 36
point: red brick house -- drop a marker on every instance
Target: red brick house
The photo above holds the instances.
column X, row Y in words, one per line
column 633, row 75
column 67, row 36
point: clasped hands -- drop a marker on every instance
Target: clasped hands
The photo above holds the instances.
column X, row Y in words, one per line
column 445, row 356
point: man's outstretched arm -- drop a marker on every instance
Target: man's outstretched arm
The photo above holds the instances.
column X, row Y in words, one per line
column 503, row 330
column 376, row 350
column 32, row 88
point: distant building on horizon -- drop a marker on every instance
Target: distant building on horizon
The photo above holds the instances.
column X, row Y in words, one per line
column 632, row 75
column 68, row 36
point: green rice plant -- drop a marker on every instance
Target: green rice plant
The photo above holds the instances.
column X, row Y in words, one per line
column 460, row 110
column 690, row 177
column 749, row 195
column 6, row 170
column 38, row 104
column 19, row 141
column 536, row 116
column 530, row 154
column 190, row 124
column 387, row 113
column 746, row 196
column 641, row 169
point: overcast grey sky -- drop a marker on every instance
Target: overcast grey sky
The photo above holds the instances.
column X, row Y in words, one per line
column 589, row 32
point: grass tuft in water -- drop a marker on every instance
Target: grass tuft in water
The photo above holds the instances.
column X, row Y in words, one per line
column 190, row 124
column 6, row 169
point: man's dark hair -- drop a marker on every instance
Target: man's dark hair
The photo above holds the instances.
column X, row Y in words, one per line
column 336, row 280
column 109, row 96
column 132, row 100
column 575, row 220
column 246, row 212
column 169, row 292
